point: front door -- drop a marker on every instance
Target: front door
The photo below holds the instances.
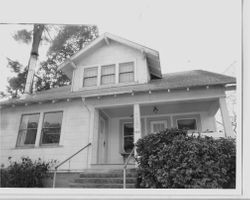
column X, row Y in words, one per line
column 102, row 141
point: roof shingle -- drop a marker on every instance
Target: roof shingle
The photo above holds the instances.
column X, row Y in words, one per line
column 176, row 80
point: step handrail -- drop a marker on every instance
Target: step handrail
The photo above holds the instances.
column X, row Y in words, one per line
column 60, row 164
column 125, row 167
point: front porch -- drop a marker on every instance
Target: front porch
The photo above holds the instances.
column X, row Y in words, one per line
column 116, row 128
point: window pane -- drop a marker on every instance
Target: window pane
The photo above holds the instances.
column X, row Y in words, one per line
column 51, row 128
column 126, row 67
column 21, row 137
column 128, row 144
column 90, row 72
column 28, row 129
column 127, row 77
column 157, row 127
column 51, row 136
column 188, row 124
column 128, row 129
column 108, row 69
column 30, row 136
column 29, row 121
column 52, row 119
column 90, row 81
column 108, row 79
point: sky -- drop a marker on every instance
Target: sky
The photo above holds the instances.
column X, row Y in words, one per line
column 188, row 34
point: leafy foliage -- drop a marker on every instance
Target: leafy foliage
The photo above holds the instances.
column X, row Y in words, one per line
column 67, row 40
column 172, row 159
column 26, row 173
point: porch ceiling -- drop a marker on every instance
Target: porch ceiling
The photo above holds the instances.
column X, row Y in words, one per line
column 163, row 108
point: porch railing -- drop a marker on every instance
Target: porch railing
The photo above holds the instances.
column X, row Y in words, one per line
column 68, row 159
column 125, row 167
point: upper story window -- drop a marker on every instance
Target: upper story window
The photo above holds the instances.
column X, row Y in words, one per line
column 126, row 72
column 28, row 130
column 107, row 74
column 90, row 76
column 187, row 124
column 51, row 129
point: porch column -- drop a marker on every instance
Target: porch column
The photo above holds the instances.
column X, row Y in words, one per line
column 93, row 136
column 137, row 123
column 225, row 118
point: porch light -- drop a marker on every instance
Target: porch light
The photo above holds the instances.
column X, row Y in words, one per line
column 39, row 102
column 26, row 104
column 187, row 89
column 207, row 86
column 155, row 110
column 149, row 91
column 54, row 101
column 168, row 90
column 68, row 100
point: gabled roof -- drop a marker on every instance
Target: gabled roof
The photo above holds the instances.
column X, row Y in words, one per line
column 187, row 79
column 151, row 55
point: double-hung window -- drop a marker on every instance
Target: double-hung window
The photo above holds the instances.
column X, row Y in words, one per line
column 126, row 72
column 107, row 74
column 90, row 76
column 128, row 137
column 27, row 130
column 158, row 126
column 51, row 129
column 187, row 124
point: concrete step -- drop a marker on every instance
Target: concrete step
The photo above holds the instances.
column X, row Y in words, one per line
column 105, row 180
column 94, row 178
column 88, row 185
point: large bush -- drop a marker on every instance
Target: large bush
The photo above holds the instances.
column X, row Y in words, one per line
column 26, row 173
column 172, row 159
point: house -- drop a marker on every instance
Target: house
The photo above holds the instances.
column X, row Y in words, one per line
column 118, row 95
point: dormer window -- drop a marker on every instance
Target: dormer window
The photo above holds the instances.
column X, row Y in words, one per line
column 126, row 72
column 107, row 74
column 90, row 76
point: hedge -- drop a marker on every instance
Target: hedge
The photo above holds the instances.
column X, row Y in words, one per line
column 173, row 159
column 25, row 173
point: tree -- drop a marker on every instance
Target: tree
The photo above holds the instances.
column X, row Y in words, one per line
column 68, row 40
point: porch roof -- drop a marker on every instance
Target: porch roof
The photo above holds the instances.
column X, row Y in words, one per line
column 186, row 79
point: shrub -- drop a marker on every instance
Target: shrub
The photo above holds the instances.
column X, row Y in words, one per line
column 172, row 159
column 26, row 173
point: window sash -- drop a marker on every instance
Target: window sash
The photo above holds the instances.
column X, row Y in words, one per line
column 51, row 134
column 28, row 130
column 90, row 76
column 128, row 138
column 107, row 74
column 126, row 72
column 184, row 126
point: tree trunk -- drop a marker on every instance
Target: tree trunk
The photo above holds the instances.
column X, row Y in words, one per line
column 37, row 36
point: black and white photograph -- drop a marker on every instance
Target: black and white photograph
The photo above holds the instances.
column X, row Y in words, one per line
column 123, row 99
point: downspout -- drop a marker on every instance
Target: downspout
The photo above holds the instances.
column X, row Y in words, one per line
column 84, row 104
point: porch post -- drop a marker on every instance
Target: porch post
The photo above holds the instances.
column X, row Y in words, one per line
column 225, row 118
column 93, row 136
column 137, row 123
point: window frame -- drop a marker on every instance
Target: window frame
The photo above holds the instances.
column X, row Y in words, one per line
column 192, row 118
column 97, row 74
column 123, row 136
column 119, row 73
column 157, row 122
column 41, row 135
column 114, row 74
column 27, row 145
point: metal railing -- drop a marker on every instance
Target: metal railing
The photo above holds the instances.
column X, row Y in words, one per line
column 68, row 159
column 125, row 167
